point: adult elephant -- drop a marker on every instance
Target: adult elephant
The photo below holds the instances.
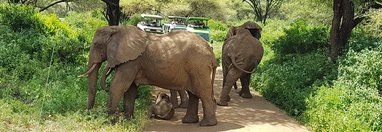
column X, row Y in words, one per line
column 242, row 52
column 178, row 60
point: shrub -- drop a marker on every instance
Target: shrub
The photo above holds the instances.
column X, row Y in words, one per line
column 301, row 38
column 287, row 81
column 218, row 30
column 354, row 102
column 360, row 39
column 362, row 70
column 19, row 17
column 134, row 20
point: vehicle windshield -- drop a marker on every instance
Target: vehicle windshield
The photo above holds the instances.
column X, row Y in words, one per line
column 151, row 22
column 197, row 24
column 177, row 21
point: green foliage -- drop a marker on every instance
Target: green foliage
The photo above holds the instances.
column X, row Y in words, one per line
column 287, row 81
column 355, row 97
column 39, row 87
column 218, row 30
column 361, row 39
column 310, row 11
column 134, row 20
column 374, row 24
column 327, row 97
column 301, row 38
column 19, row 17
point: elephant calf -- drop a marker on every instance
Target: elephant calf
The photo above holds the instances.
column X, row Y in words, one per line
column 162, row 108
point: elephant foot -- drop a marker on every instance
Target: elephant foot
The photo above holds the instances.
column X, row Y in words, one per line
column 189, row 119
column 208, row 122
column 222, row 103
column 183, row 105
column 246, row 95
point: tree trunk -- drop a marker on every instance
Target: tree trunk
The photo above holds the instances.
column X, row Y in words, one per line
column 113, row 12
column 342, row 26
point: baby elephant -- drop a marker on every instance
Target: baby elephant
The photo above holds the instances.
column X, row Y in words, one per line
column 162, row 109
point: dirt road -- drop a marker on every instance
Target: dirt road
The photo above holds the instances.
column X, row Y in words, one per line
column 254, row 114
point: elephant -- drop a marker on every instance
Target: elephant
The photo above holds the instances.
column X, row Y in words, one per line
column 183, row 98
column 162, row 108
column 241, row 54
column 179, row 60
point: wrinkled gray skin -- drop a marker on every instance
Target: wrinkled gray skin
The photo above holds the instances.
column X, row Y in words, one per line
column 242, row 53
column 162, row 108
column 183, row 98
column 140, row 58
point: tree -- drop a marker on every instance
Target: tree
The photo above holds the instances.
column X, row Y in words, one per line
column 263, row 12
column 344, row 21
column 113, row 12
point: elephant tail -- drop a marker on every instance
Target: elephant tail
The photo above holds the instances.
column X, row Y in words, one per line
column 104, row 77
column 237, row 66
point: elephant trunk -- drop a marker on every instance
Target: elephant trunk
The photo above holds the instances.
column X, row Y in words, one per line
column 92, row 83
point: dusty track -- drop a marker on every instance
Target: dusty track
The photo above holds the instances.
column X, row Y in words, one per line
column 256, row 114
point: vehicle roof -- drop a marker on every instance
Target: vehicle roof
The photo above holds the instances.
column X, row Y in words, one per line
column 176, row 17
column 151, row 16
column 198, row 18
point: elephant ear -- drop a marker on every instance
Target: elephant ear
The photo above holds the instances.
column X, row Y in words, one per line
column 125, row 45
column 231, row 32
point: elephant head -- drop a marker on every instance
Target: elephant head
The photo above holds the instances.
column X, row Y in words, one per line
column 116, row 45
column 252, row 27
column 163, row 107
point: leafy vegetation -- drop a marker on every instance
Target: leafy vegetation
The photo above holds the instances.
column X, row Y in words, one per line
column 345, row 96
column 40, row 60
column 301, row 38
column 42, row 54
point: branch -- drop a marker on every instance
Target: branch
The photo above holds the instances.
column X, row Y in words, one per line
column 357, row 21
column 52, row 4
column 250, row 4
column 109, row 3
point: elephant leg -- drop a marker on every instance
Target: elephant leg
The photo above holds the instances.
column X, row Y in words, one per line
column 174, row 98
column 229, row 80
column 244, row 92
column 129, row 101
column 121, row 82
column 209, row 109
column 183, row 99
column 192, row 109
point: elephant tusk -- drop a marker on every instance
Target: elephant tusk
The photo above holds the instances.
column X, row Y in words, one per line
column 90, row 70
column 104, row 76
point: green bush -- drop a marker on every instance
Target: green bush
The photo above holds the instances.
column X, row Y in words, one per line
column 361, row 39
column 39, row 65
column 301, row 38
column 287, row 81
column 218, row 30
column 134, row 20
column 19, row 17
column 354, row 102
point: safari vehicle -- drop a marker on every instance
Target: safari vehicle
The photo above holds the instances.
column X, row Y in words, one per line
column 151, row 23
column 199, row 26
column 177, row 23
